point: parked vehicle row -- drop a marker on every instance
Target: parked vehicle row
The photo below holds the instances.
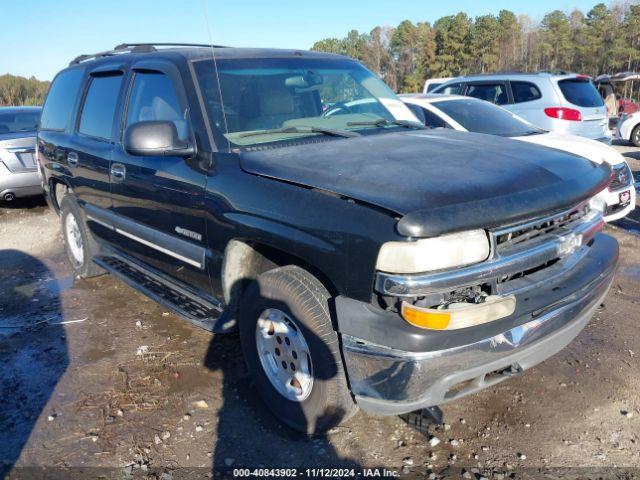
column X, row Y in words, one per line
column 610, row 86
column 472, row 115
column 366, row 261
column 555, row 101
column 19, row 176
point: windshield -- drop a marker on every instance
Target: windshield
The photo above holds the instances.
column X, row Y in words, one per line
column 580, row 92
column 263, row 100
column 19, row 122
column 484, row 117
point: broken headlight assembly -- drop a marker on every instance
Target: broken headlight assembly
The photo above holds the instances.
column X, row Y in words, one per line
column 462, row 309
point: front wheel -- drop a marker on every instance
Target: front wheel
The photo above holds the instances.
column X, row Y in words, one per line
column 79, row 242
column 292, row 352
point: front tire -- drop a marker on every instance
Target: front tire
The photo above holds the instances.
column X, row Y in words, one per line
column 292, row 352
column 79, row 242
column 635, row 136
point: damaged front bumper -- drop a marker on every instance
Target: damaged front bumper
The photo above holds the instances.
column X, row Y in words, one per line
column 395, row 369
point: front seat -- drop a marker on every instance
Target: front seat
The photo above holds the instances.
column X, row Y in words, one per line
column 275, row 108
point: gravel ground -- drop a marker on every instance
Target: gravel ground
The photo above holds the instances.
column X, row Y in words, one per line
column 99, row 378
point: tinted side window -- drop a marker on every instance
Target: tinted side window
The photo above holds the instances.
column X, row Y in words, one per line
column 99, row 106
column 580, row 92
column 154, row 98
column 452, row 89
column 491, row 92
column 432, row 120
column 61, row 100
column 524, row 92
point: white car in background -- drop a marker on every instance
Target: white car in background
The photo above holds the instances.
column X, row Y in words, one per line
column 433, row 83
column 474, row 115
column 628, row 128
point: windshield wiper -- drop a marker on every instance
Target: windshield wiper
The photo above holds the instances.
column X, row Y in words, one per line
column 303, row 129
column 532, row 132
column 383, row 122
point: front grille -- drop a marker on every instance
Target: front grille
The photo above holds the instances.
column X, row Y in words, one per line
column 522, row 256
column 524, row 235
column 620, row 177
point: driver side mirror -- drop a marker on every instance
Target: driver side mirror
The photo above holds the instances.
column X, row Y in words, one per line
column 157, row 138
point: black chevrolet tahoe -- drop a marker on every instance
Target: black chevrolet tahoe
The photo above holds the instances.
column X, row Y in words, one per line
column 366, row 261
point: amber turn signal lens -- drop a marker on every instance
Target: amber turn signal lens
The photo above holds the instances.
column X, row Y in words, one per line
column 459, row 315
column 426, row 318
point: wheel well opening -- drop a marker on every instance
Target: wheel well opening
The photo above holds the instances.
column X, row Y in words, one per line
column 57, row 190
column 243, row 262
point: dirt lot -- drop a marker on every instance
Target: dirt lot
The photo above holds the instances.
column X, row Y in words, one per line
column 101, row 379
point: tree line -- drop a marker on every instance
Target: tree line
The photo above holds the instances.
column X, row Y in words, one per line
column 16, row 90
column 604, row 40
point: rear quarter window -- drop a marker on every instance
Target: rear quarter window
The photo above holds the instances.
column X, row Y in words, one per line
column 580, row 92
column 61, row 100
column 524, row 92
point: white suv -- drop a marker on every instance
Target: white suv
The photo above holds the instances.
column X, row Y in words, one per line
column 559, row 102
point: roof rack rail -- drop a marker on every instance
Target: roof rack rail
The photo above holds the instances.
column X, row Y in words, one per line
column 129, row 45
column 136, row 48
column 502, row 72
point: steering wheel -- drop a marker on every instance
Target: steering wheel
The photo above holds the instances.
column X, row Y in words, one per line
column 339, row 108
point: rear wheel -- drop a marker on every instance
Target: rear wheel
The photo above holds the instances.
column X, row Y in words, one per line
column 635, row 136
column 79, row 243
column 292, row 352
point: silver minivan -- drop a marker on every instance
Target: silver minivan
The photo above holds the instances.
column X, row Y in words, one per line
column 554, row 101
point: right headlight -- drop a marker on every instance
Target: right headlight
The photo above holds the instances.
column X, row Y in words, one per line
column 429, row 254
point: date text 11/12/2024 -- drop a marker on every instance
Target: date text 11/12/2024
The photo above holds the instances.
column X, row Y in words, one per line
column 315, row 473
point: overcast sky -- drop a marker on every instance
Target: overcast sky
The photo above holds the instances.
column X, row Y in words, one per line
column 40, row 37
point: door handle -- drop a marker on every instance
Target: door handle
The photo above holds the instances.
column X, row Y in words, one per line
column 118, row 172
column 72, row 159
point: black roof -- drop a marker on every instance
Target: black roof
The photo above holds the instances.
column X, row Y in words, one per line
column 196, row 51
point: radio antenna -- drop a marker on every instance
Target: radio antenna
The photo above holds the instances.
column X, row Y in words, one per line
column 215, row 65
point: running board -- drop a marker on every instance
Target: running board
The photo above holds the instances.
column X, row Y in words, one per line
column 207, row 314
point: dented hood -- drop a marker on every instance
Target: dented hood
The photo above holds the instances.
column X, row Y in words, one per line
column 440, row 180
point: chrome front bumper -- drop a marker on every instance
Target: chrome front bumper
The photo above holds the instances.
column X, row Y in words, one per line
column 389, row 381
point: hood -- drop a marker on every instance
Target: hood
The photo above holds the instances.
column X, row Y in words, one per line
column 439, row 181
column 595, row 151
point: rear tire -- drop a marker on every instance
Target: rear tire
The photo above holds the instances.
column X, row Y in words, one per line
column 78, row 240
column 635, row 136
column 283, row 313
